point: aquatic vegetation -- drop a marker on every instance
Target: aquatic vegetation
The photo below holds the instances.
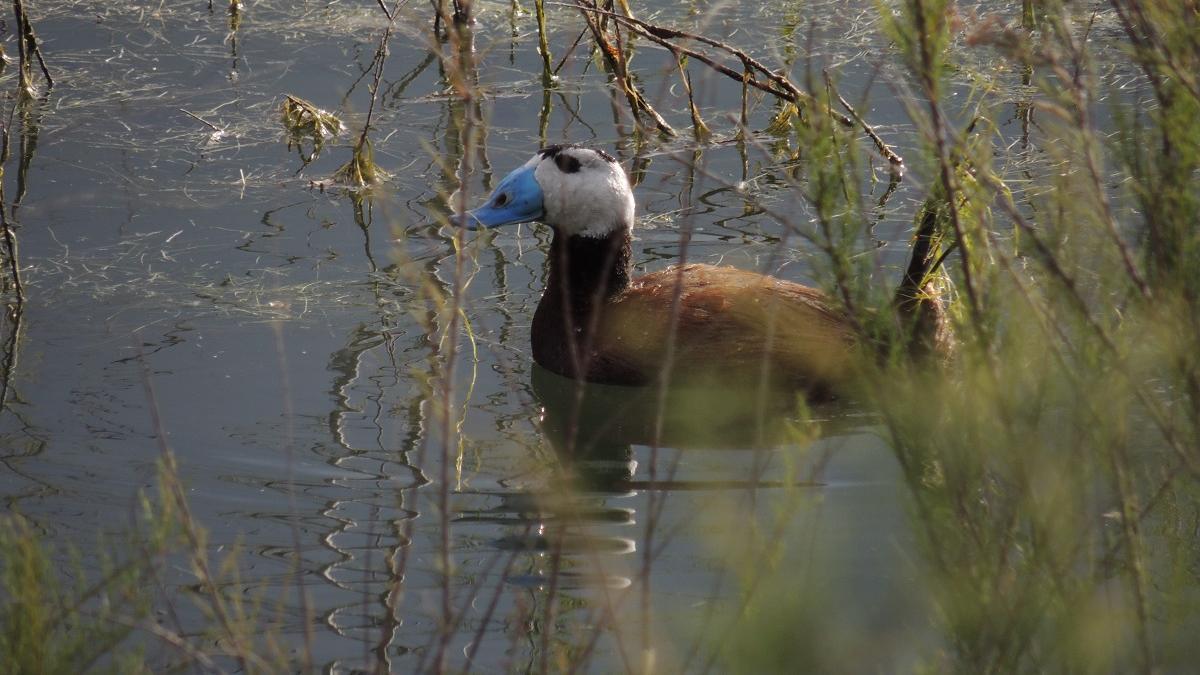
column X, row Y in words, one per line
column 305, row 122
column 28, row 50
column 48, row 629
column 1019, row 177
column 68, row 624
column 361, row 170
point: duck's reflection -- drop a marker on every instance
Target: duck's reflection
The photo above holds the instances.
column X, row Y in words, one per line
column 597, row 433
column 595, row 428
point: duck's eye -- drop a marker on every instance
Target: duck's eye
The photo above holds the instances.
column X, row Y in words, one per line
column 501, row 199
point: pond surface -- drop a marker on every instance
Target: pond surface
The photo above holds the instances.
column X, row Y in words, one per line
column 182, row 266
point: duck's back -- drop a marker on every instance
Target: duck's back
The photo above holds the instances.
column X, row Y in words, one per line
column 732, row 324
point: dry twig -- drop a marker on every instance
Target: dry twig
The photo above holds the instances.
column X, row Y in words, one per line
column 753, row 74
column 615, row 59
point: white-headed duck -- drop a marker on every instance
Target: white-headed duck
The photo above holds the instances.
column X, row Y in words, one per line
column 598, row 322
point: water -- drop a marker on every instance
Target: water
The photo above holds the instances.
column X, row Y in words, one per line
column 284, row 343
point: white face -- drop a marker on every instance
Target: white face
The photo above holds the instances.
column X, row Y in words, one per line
column 584, row 192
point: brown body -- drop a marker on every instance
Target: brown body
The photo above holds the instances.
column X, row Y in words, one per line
column 732, row 327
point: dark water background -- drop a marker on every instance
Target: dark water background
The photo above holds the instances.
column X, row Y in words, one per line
column 287, row 341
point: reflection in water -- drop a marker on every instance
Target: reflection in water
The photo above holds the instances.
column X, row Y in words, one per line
column 594, row 430
column 560, row 540
column 364, row 214
column 375, row 524
column 235, row 22
column 587, row 421
column 376, row 495
column 18, row 435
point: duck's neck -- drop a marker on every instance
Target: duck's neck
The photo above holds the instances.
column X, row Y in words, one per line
column 585, row 272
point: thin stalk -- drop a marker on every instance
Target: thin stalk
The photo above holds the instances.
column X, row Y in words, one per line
column 27, row 48
column 463, row 12
column 11, row 257
column 12, row 260
column 928, row 78
column 172, row 638
column 361, row 169
column 772, row 82
column 297, row 548
column 543, row 43
column 895, row 161
column 615, row 59
column 743, row 111
column 460, row 68
column 245, row 656
column 1130, row 533
column 1083, row 120
column 491, row 607
column 1028, row 16
column 1157, row 414
column 700, row 130
column 381, row 54
column 655, row 500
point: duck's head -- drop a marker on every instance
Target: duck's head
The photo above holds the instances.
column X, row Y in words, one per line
column 579, row 191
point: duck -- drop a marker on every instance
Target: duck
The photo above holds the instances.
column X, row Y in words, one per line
column 598, row 322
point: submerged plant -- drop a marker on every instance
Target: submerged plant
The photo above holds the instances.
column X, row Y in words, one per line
column 306, row 123
column 361, row 170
